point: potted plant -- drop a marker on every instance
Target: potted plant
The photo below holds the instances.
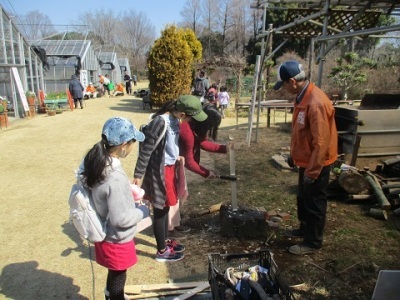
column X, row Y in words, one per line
column 30, row 96
column 51, row 109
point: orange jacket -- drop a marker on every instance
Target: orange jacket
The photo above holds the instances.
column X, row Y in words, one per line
column 314, row 133
column 90, row 88
column 119, row 87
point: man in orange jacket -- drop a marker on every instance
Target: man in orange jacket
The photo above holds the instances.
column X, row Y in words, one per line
column 314, row 150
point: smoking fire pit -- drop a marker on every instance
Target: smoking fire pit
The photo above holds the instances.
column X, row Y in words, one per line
column 242, row 222
column 236, row 220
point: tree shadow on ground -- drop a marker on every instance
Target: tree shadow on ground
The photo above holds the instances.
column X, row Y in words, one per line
column 132, row 105
column 21, row 281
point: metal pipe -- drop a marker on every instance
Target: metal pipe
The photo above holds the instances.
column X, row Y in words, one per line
column 323, row 44
column 379, row 131
column 276, row 49
column 378, row 154
column 11, row 65
column 359, row 32
column 330, row 28
column 346, row 139
column 346, row 29
column 296, row 22
column 347, row 118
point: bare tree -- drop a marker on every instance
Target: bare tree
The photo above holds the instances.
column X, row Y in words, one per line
column 135, row 34
column 209, row 8
column 191, row 15
column 131, row 34
column 224, row 22
column 103, row 25
column 36, row 25
column 241, row 20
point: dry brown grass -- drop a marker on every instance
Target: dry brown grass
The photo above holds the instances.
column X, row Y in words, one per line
column 43, row 257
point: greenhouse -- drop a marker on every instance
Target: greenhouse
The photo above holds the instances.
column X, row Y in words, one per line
column 109, row 65
column 66, row 58
column 124, row 66
column 21, row 70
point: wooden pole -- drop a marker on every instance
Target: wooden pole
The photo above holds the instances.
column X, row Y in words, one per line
column 360, row 197
column 378, row 213
column 380, row 196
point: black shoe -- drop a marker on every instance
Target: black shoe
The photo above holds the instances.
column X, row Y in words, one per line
column 183, row 229
column 294, row 233
column 176, row 235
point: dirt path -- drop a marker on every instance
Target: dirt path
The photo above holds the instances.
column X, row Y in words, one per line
column 42, row 257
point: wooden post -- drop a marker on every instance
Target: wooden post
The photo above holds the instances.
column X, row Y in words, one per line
column 356, row 147
column 380, row 196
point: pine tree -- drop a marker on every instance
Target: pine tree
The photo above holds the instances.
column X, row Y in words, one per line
column 170, row 65
column 351, row 70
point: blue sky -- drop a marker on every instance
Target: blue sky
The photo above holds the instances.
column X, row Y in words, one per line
column 159, row 12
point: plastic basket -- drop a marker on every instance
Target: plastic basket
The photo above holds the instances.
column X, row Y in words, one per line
column 218, row 263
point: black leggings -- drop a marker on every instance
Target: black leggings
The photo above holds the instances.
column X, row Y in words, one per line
column 160, row 226
column 115, row 284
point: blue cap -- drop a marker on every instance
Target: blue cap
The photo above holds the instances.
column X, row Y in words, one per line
column 287, row 70
column 120, row 130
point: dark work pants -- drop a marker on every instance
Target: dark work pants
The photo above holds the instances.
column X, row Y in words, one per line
column 128, row 88
column 311, row 207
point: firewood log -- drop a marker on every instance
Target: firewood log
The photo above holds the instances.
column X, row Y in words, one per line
column 378, row 213
column 380, row 196
column 360, row 197
column 352, row 181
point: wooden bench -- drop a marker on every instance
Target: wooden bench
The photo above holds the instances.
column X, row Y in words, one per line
column 268, row 104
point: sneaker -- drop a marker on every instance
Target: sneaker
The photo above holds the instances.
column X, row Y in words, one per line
column 302, row 249
column 176, row 235
column 178, row 248
column 169, row 255
column 294, row 233
column 183, row 228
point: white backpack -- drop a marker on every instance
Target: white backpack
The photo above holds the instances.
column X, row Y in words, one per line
column 83, row 215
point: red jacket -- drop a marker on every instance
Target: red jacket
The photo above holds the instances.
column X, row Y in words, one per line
column 314, row 134
column 189, row 148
